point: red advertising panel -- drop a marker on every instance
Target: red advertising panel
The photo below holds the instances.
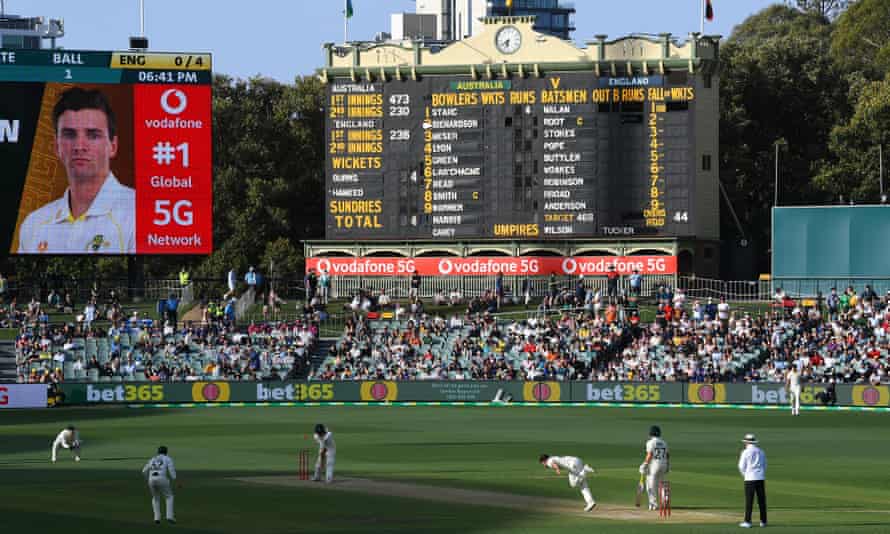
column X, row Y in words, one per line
column 487, row 266
column 106, row 153
column 173, row 169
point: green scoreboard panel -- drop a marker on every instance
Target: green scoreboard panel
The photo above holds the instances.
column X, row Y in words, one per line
column 562, row 156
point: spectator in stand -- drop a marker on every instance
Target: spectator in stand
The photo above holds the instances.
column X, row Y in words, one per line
column 833, row 303
column 183, row 277
column 580, row 292
column 414, row 291
column 710, row 310
column 251, row 278
column 4, row 288
column 232, row 282
column 172, row 309
column 499, row 288
column 723, row 314
column 310, row 281
column 636, row 283
column 324, row 286
column 612, row 282
column 384, row 300
column 89, row 314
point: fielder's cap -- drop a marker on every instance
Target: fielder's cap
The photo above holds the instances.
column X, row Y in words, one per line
column 749, row 438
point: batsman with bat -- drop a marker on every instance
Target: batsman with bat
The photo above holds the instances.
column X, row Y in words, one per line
column 327, row 452
column 655, row 466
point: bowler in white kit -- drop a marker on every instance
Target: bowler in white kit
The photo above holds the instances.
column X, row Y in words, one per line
column 656, row 465
column 327, row 452
column 577, row 471
column 161, row 473
column 69, row 439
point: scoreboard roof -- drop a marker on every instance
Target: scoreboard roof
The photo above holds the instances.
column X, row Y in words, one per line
column 481, row 56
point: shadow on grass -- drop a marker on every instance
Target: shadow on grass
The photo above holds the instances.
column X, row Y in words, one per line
column 117, row 500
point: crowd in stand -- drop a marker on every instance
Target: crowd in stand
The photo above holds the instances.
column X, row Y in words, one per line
column 587, row 333
column 575, row 331
column 101, row 344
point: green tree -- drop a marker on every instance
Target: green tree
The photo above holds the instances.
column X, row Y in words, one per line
column 853, row 168
column 778, row 84
column 861, row 39
column 268, row 169
column 829, row 9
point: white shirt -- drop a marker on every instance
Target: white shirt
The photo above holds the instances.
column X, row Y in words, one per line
column 723, row 311
column 326, row 442
column 571, row 464
column 659, row 450
column 160, row 466
column 107, row 227
column 752, row 463
column 68, row 437
column 794, row 379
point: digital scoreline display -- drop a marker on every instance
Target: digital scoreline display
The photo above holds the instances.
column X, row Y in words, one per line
column 567, row 155
column 106, row 152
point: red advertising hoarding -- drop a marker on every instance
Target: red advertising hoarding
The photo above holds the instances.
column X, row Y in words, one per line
column 488, row 266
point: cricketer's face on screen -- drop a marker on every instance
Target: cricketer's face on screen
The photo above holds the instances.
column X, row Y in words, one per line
column 84, row 144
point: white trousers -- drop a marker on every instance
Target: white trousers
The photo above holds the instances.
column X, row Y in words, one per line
column 578, row 480
column 59, row 442
column 329, row 466
column 794, row 400
column 655, row 476
column 160, row 487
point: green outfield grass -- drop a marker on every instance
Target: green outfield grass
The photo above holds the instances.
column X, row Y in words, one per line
column 828, row 470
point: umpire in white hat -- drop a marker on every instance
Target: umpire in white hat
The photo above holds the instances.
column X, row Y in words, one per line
column 752, row 466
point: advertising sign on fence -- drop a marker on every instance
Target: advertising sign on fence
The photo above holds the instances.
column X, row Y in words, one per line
column 22, row 396
column 443, row 391
column 488, row 266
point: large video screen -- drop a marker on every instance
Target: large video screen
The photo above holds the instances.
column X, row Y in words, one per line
column 564, row 155
column 105, row 153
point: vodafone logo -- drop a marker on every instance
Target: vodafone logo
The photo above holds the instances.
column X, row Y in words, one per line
column 569, row 266
column 445, row 266
column 324, row 265
column 4, row 397
column 174, row 101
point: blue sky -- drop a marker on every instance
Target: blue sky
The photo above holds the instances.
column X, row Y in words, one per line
column 282, row 39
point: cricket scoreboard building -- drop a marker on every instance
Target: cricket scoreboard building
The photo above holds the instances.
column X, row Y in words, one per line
column 139, row 121
column 513, row 136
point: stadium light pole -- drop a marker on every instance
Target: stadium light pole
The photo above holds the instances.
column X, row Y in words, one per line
column 779, row 142
column 881, row 171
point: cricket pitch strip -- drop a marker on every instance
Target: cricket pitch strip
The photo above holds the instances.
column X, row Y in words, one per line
column 490, row 498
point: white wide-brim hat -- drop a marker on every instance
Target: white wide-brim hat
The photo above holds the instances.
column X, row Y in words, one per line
column 749, row 438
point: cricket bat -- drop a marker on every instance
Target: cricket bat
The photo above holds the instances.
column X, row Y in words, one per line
column 640, row 488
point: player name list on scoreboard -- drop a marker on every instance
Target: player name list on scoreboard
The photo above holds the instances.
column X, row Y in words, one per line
column 571, row 155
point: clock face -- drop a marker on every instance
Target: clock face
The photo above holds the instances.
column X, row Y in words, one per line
column 508, row 39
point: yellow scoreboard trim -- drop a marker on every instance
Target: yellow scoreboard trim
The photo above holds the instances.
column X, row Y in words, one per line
column 159, row 60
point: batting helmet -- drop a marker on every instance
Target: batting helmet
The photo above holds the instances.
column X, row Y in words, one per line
column 320, row 429
column 655, row 431
column 162, row 449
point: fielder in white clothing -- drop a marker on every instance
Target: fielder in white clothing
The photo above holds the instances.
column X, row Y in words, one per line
column 68, row 438
column 656, row 465
column 161, row 473
column 792, row 382
column 327, row 452
column 577, row 471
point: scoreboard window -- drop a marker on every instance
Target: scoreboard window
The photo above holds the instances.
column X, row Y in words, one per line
column 105, row 152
